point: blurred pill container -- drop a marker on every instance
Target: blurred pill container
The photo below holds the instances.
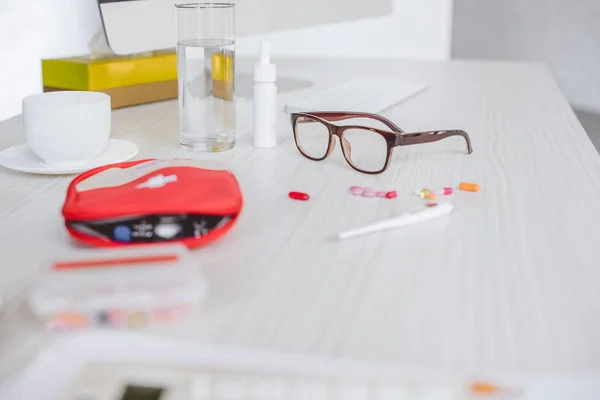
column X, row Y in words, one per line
column 124, row 288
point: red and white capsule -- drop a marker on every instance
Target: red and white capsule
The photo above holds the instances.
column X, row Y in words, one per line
column 443, row 192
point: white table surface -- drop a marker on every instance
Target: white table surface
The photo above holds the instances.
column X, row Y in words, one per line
column 508, row 283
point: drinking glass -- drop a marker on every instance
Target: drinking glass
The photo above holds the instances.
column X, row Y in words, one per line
column 206, row 71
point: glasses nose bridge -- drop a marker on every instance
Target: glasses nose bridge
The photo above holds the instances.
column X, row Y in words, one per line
column 337, row 131
column 333, row 134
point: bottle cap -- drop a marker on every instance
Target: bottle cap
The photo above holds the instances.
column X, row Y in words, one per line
column 264, row 71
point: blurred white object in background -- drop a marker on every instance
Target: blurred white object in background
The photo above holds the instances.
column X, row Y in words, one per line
column 360, row 95
column 134, row 26
column 39, row 29
column 56, row 370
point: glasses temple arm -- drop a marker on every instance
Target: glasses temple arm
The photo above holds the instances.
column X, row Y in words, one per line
column 407, row 139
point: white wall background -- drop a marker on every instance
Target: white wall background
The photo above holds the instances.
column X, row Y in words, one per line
column 563, row 33
column 35, row 29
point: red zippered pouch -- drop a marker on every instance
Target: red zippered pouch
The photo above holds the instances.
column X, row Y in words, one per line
column 152, row 201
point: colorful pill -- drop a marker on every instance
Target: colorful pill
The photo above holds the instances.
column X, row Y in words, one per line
column 73, row 320
column 391, row 195
column 356, row 190
column 137, row 320
column 425, row 193
column 444, row 192
column 428, row 193
column 485, row 388
column 382, row 194
column 468, row 187
column 367, row 193
column 117, row 318
column 298, row 196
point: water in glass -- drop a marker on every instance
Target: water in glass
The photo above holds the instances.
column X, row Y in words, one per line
column 206, row 94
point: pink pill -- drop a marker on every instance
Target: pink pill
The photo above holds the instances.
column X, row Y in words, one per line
column 368, row 189
column 381, row 194
column 391, row 195
column 356, row 190
column 368, row 194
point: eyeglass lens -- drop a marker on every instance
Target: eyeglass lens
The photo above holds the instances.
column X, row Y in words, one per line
column 365, row 149
column 312, row 137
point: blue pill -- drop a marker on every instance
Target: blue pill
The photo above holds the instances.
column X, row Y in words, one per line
column 122, row 233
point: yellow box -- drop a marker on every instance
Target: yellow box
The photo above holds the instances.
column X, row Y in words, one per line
column 126, row 96
column 222, row 66
column 222, row 75
column 89, row 73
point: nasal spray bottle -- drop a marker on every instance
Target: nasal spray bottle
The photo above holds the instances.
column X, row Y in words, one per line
column 265, row 100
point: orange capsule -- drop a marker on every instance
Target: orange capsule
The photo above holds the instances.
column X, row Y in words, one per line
column 468, row 187
column 484, row 388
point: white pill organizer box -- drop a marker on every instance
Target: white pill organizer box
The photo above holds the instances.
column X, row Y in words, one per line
column 117, row 288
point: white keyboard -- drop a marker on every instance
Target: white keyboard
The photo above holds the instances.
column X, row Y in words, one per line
column 361, row 95
column 122, row 381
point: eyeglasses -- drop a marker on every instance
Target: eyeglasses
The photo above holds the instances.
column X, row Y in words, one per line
column 366, row 149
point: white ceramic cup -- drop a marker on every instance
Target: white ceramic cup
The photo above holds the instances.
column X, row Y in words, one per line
column 70, row 127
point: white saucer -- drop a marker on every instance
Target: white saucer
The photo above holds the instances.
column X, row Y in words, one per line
column 20, row 158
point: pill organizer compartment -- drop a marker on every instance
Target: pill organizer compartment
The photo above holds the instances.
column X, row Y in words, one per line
column 117, row 288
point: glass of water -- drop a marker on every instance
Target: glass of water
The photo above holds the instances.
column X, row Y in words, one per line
column 206, row 73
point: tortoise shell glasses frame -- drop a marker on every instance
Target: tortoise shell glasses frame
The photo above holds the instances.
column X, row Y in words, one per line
column 393, row 138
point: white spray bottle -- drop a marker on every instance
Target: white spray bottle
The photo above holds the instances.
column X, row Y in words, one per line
column 265, row 100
